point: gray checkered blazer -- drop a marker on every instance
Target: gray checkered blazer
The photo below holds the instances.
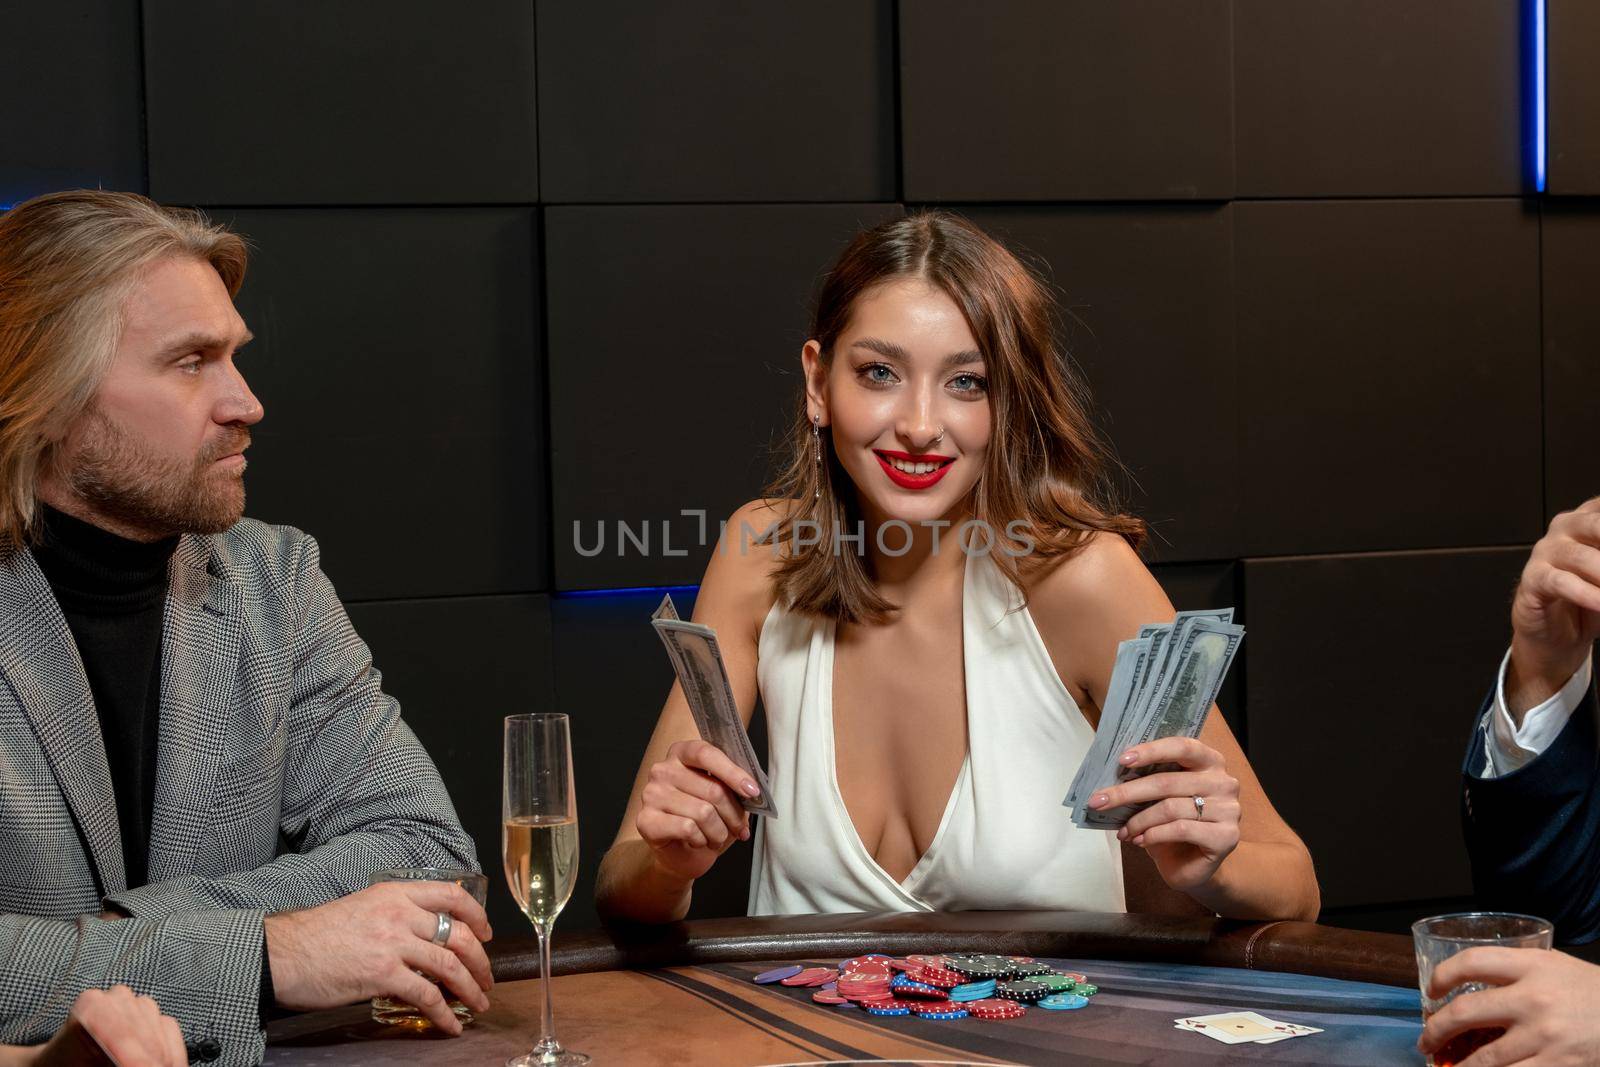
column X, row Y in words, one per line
column 285, row 776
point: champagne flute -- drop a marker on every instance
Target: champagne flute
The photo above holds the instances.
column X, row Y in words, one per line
column 539, row 841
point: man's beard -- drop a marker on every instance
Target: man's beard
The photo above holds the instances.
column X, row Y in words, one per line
column 125, row 480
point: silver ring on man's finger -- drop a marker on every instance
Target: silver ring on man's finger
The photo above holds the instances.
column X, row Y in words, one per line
column 1199, row 808
column 441, row 933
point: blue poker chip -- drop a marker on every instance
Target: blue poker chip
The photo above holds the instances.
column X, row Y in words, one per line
column 973, row 991
column 888, row 1010
column 1063, row 1002
column 942, row 1014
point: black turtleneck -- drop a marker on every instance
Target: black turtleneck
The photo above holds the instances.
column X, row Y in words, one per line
column 112, row 592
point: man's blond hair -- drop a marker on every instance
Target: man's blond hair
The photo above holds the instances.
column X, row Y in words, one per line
column 67, row 263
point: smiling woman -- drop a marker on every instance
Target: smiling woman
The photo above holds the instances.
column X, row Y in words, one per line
column 930, row 619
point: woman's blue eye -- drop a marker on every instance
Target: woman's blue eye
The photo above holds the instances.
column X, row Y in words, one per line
column 968, row 383
column 878, row 373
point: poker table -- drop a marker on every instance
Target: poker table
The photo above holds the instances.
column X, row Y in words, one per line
column 683, row 993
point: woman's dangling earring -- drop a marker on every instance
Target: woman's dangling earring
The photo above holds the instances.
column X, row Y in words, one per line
column 816, row 451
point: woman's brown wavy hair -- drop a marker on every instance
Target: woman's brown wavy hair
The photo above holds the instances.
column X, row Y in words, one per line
column 1047, row 475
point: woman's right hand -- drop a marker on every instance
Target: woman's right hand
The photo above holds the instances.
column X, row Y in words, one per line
column 691, row 811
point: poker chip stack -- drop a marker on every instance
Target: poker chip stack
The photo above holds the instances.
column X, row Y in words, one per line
column 940, row 987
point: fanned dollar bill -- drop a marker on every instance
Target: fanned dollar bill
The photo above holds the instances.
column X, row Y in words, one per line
column 697, row 659
column 1163, row 684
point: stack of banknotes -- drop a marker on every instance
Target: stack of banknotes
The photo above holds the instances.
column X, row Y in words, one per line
column 1163, row 684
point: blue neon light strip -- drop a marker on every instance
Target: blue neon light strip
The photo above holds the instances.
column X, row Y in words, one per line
column 632, row 590
column 1538, row 95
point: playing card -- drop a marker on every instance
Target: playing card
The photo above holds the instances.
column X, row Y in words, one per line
column 1239, row 1027
column 1234, row 1032
column 1287, row 1029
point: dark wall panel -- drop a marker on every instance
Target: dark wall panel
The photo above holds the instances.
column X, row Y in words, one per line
column 69, row 74
column 675, row 337
column 689, row 100
column 612, row 677
column 356, row 102
column 1359, row 716
column 1571, row 271
column 1148, row 296
column 398, row 360
column 1066, row 100
column 1388, row 369
column 1380, row 98
column 459, row 666
column 1573, row 88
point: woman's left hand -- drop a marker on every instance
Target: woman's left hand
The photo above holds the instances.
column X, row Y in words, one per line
column 1187, row 845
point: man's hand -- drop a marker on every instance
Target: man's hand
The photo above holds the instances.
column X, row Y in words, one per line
column 367, row 944
column 1547, row 1002
column 1555, row 617
column 112, row 1026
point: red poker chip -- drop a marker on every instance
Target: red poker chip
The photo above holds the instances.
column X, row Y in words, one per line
column 894, row 1002
column 926, row 961
column 810, row 976
column 826, row 996
column 936, row 1007
column 919, row 992
column 995, row 1009
column 940, row 977
column 904, row 965
column 868, row 967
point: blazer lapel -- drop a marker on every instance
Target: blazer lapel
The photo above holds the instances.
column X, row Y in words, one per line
column 199, row 664
column 40, row 659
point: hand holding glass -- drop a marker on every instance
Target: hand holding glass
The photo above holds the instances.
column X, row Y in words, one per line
column 394, row 1012
column 1442, row 936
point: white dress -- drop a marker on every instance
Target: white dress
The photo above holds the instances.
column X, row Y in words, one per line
column 1005, row 841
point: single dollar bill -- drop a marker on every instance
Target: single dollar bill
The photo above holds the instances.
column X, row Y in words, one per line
column 697, row 660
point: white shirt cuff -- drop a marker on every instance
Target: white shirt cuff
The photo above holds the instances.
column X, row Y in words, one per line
column 1508, row 746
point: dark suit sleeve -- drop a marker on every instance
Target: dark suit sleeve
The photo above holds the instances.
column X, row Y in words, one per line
column 1534, row 834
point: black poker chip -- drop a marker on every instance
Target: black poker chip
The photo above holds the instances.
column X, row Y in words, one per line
column 983, row 966
column 1022, row 991
column 1030, row 970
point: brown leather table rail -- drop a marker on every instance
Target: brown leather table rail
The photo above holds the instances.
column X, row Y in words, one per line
column 1296, row 947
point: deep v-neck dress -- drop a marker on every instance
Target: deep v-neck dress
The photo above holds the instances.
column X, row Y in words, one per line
column 1005, row 841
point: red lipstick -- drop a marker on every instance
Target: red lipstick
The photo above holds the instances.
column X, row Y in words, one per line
column 913, row 481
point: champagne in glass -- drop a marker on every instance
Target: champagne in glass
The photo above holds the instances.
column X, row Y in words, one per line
column 539, row 842
column 541, row 864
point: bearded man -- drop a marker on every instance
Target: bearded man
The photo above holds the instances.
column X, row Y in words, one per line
column 199, row 770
